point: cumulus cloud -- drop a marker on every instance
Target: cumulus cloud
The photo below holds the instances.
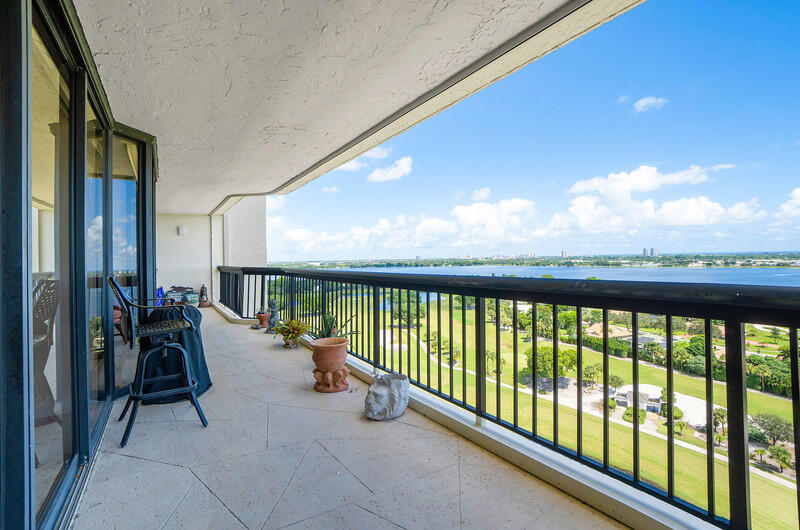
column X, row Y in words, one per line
column 353, row 165
column 622, row 99
column 331, row 189
column 398, row 170
column 481, row 194
column 613, row 204
column 788, row 213
column 378, row 153
column 649, row 103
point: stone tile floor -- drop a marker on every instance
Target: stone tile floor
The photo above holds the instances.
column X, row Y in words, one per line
column 276, row 454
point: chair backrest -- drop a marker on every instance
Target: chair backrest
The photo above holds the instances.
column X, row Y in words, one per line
column 45, row 304
column 127, row 319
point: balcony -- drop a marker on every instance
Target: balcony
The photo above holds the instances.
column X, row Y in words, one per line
column 278, row 454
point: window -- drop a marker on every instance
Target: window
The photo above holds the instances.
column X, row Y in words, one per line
column 50, row 221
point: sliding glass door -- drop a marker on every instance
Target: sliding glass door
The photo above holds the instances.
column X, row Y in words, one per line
column 51, row 295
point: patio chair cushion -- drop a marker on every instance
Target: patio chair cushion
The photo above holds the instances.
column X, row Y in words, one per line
column 161, row 327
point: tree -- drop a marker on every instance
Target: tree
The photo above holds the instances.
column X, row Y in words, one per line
column 781, row 456
column 774, row 427
column 697, row 346
column 719, row 417
column 615, row 381
column 775, row 333
column 760, row 453
column 761, row 371
column 681, row 426
column 400, row 309
column 696, row 327
column 681, row 357
column 718, row 438
column 592, row 374
column 567, row 359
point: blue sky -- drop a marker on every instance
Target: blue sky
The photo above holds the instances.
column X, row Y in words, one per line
column 675, row 126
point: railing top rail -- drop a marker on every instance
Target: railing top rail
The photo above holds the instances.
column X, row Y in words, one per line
column 751, row 303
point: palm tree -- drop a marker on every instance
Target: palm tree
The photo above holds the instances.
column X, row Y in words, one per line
column 718, row 438
column 680, row 426
column 760, row 452
column 781, row 456
column 760, row 370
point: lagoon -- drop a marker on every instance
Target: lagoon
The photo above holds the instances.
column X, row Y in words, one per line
column 773, row 276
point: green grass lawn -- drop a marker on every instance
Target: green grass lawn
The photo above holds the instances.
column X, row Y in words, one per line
column 773, row 505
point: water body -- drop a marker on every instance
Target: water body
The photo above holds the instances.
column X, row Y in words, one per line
column 775, row 276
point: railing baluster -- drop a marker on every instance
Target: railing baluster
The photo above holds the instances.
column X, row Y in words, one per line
column 376, row 327
column 635, row 366
column 605, row 389
column 795, row 367
column 497, row 357
column 408, row 331
column 515, row 395
column 579, row 349
column 738, row 455
column 428, row 337
column 419, row 337
column 439, row 342
column 670, row 411
column 391, row 328
column 711, row 493
column 555, row 374
column 464, row 349
column 480, row 358
column 534, row 367
column 450, row 340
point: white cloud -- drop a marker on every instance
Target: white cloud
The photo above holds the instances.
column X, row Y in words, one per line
column 481, row 194
column 359, row 162
column 378, row 153
column 622, row 99
column 275, row 202
column 331, row 189
column 649, row 103
column 609, row 205
column 789, row 212
column 460, row 194
column 353, row 165
column 398, row 170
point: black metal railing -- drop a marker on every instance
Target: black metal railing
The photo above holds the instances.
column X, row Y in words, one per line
column 455, row 335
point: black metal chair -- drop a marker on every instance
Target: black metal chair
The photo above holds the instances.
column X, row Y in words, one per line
column 161, row 334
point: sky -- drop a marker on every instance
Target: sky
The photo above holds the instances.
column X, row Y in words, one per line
column 675, row 126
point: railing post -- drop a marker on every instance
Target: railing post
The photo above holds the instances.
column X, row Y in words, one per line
column 376, row 328
column 240, row 293
column 738, row 452
column 480, row 359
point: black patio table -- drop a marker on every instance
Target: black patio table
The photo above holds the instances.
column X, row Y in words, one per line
column 192, row 341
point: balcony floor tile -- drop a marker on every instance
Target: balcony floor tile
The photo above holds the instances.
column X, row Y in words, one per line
column 278, row 454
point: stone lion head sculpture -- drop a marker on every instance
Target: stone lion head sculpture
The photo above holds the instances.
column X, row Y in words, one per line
column 387, row 397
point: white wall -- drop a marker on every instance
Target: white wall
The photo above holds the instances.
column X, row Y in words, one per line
column 245, row 233
column 183, row 260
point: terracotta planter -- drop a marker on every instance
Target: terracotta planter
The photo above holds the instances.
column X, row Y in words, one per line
column 262, row 319
column 289, row 343
column 330, row 356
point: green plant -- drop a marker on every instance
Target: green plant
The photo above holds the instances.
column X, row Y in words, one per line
column 291, row 329
column 329, row 328
column 680, row 426
column 760, row 452
column 628, row 415
column 775, row 428
column 755, row 435
column 611, row 404
column 261, row 311
column 781, row 456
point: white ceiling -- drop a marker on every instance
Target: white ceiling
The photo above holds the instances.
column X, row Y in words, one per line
column 244, row 95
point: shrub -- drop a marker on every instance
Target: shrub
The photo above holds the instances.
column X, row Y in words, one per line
column 628, row 415
column 676, row 412
column 611, row 404
column 757, row 436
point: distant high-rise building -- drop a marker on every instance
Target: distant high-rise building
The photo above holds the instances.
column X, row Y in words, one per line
column 644, row 251
column 418, row 258
column 564, row 254
column 652, row 251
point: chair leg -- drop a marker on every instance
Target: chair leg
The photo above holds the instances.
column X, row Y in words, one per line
column 129, row 427
column 125, row 410
column 198, row 409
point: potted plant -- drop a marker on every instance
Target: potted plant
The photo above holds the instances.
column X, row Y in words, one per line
column 330, row 356
column 262, row 317
column 291, row 331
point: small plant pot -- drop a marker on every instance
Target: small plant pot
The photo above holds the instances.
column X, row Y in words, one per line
column 262, row 319
column 330, row 358
column 289, row 343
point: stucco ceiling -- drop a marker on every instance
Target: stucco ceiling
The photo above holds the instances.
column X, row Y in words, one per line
column 244, row 95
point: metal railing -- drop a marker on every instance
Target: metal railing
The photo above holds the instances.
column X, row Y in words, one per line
column 453, row 336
